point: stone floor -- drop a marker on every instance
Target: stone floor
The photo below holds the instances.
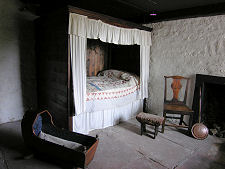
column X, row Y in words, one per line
column 122, row 147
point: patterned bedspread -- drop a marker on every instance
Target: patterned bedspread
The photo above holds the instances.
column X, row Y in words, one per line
column 111, row 84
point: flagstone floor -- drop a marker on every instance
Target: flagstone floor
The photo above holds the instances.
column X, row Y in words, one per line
column 122, row 147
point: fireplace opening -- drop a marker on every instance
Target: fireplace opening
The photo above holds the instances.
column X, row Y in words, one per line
column 213, row 108
column 209, row 100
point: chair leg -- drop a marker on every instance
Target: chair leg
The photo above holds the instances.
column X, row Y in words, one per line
column 163, row 124
column 190, row 123
column 142, row 128
column 181, row 119
column 156, row 131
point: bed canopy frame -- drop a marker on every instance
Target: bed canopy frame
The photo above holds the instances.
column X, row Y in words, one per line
column 79, row 25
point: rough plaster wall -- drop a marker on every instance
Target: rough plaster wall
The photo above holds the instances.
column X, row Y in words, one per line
column 185, row 47
column 16, row 61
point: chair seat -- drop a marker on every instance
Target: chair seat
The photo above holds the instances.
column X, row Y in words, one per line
column 178, row 108
column 150, row 119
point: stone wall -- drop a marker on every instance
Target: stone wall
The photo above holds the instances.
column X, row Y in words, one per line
column 17, row 61
column 185, row 47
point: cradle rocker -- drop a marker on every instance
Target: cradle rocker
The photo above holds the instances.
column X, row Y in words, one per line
column 47, row 141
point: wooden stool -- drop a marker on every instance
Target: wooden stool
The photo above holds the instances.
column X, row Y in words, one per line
column 150, row 119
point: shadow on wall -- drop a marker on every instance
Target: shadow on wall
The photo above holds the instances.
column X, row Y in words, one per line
column 16, row 61
column 28, row 62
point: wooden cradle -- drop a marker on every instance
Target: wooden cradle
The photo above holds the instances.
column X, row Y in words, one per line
column 42, row 148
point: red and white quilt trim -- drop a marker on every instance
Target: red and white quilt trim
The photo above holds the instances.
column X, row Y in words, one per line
column 111, row 94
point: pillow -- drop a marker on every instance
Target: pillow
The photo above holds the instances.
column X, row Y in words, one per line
column 125, row 76
column 110, row 73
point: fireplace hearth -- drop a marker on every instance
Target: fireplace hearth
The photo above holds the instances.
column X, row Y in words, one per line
column 212, row 101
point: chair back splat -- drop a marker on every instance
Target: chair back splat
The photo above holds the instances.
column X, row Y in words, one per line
column 176, row 88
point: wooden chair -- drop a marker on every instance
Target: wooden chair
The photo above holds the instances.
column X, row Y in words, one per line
column 175, row 106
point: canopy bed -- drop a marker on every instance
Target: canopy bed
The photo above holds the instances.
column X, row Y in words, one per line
column 80, row 28
column 100, row 101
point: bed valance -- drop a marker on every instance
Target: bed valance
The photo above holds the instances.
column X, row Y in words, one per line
column 82, row 26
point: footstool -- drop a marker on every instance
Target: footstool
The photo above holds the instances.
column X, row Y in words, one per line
column 150, row 119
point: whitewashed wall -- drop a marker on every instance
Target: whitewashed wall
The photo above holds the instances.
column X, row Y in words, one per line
column 185, row 47
column 17, row 60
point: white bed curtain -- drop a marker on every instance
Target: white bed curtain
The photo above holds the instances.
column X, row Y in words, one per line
column 144, row 70
column 78, row 63
column 81, row 28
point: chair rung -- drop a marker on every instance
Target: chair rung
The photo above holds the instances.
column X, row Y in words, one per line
column 175, row 125
column 180, row 113
column 185, row 123
column 172, row 117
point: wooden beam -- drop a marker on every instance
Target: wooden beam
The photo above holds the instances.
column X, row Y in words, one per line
column 207, row 10
column 107, row 19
